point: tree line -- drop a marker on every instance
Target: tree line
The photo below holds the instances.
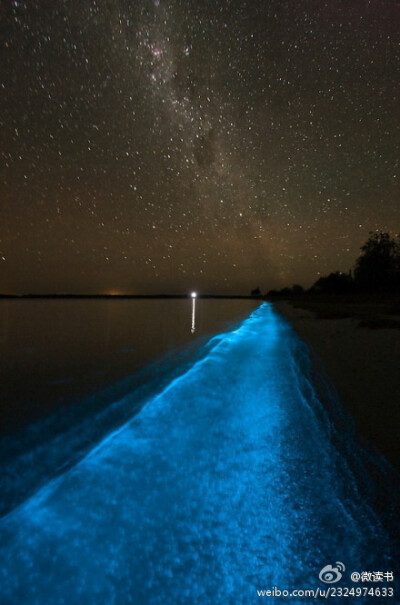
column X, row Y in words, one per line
column 376, row 270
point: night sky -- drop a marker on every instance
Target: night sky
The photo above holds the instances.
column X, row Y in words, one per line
column 163, row 146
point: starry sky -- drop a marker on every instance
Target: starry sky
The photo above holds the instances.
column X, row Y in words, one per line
column 219, row 145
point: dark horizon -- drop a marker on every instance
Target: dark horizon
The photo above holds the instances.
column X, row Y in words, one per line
column 159, row 295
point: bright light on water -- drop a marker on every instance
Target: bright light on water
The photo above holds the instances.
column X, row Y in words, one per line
column 193, row 326
column 194, row 295
column 232, row 479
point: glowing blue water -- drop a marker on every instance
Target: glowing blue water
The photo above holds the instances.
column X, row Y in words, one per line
column 232, row 479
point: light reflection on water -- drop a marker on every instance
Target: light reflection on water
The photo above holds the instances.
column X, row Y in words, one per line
column 193, row 326
column 56, row 351
column 233, row 477
column 72, row 370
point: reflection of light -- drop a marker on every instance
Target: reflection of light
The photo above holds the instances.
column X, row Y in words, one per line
column 194, row 295
column 193, row 328
column 240, row 420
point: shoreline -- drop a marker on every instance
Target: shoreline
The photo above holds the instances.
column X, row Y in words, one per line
column 362, row 365
column 125, row 296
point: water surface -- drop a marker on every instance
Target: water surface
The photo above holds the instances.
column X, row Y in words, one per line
column 57, row 351
column 235, row 477
column 73, row 370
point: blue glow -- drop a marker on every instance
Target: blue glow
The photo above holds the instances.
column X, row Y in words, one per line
column 234, row 478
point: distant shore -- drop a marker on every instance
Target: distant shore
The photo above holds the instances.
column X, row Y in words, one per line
column 359, row 346
column 119, row 296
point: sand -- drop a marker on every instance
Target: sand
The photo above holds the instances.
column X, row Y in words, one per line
column 363, row 365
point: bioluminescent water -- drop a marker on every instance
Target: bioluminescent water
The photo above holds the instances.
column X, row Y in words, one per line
column 234, row 478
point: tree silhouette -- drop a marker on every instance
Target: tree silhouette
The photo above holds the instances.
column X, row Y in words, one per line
column 297, row 289
column 378, row 267
column 334, row 283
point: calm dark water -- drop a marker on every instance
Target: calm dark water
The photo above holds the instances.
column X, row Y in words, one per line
column 55, row 352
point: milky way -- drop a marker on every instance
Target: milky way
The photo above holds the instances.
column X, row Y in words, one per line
column 160, row 146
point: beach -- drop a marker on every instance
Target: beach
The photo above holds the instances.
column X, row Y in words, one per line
column 362, row 363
